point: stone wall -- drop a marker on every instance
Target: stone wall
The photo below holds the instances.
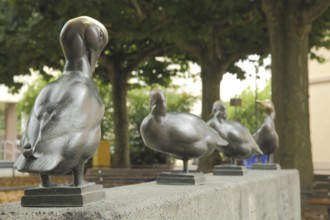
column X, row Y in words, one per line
column 258, row 195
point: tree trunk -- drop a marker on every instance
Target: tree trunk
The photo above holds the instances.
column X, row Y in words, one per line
column 289, row 50
column 121, row 157
column 211, row 75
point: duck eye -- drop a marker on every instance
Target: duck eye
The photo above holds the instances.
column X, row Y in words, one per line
column 101, row 34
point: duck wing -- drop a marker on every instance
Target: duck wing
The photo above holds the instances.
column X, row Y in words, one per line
column 65, row 114
column 185, row 127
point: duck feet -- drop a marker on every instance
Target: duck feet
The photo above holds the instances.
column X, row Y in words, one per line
column 270, row 158
column 233, row 161
column 78, row 176
column 185, row 166
column 45, row 182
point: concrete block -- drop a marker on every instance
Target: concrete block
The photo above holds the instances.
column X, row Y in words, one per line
column 258, row 195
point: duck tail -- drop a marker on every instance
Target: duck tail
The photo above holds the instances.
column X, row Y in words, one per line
column 258, row 150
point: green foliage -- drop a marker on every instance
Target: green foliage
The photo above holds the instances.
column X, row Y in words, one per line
column 107, row 122
column 26, row 103
column 320, row 35
column 250, row 114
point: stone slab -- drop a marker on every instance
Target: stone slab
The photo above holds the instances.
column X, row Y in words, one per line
column 258, row 195
column 229, row 170
column 63, row 196
column 168, row 178
column 266, row 166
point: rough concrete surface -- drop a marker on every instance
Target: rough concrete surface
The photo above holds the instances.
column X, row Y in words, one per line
column 258, row 195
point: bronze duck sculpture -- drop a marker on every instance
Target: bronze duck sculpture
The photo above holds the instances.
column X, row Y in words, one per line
column 241, row 143
column 266, row 136
column 63, row 130
column 181, row 135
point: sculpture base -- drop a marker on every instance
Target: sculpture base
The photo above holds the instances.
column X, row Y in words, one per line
column 228, row 170
column 63, row 196
column 167, row 178
column 266, row 166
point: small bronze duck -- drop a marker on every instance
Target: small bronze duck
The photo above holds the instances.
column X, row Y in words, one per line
column 63, row 130
column 266, row 136
column 241, row 143
column 181, row 135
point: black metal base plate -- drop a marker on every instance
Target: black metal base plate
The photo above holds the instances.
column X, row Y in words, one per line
column 63, row 196
column 229, row 170
column 266, row 166
column 167, row 178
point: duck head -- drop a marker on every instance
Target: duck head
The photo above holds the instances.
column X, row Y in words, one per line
column 219, row 110
column 83, row 38
column 267, row 106
column 157, row 103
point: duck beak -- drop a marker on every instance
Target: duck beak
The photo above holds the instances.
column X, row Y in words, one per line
column 93, row 57
column 263, row 104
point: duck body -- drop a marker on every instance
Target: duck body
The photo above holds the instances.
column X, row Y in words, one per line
column 64, row 127
column 266, row 136
column 181, row 135
column 241, row 144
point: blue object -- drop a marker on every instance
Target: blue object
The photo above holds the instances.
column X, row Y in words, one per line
column 254, row 159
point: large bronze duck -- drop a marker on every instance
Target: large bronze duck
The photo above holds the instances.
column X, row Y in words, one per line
column 181, row 135
column 241, row 143
column 63, row 130
column 266, row 136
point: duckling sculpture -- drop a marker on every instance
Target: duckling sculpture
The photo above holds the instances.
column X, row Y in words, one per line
column 266, row 136
column 181, row 135
column 63, row 130
column 241, row 143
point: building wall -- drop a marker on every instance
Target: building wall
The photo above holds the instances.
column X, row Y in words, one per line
column 319, row 104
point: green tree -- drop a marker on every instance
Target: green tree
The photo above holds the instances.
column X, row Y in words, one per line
column 290, row 27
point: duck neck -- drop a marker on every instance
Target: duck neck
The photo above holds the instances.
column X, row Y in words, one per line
column 270, row 119
column 220, row 117
column 158, row 110
column 81, row 65
column 270, row 116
